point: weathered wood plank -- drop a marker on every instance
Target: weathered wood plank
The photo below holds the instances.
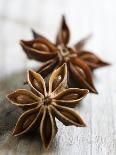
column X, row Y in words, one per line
column 84, row 17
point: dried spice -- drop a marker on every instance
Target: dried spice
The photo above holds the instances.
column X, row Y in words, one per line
column 42, row 106
column 80, row 62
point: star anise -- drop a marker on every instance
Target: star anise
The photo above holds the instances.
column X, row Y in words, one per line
column 41, row 106
column 80, row 62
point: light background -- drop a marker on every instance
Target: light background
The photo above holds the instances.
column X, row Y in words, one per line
column 84, row 17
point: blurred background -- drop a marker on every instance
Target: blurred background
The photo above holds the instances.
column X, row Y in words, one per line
column 84, row 17
column 17, row 17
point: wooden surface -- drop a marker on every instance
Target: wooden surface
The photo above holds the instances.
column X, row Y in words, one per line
column 99, row 111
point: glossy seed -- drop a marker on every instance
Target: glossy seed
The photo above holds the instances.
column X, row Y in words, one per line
column 57, row 81
column 89, row 58
column 38, row 86
column 64, row 34
column 81, row 72
column 29, row 121
column 70, row 97
column 40, row 47
column 23, row 99
column 68, row 115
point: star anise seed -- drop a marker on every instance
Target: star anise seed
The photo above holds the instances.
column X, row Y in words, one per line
column 42, row 106
column 80, row 62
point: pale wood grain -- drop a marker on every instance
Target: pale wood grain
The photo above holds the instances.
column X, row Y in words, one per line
column 99, row 111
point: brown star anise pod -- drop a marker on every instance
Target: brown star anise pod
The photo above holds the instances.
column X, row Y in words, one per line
column 80, row 62
column 42, row 106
